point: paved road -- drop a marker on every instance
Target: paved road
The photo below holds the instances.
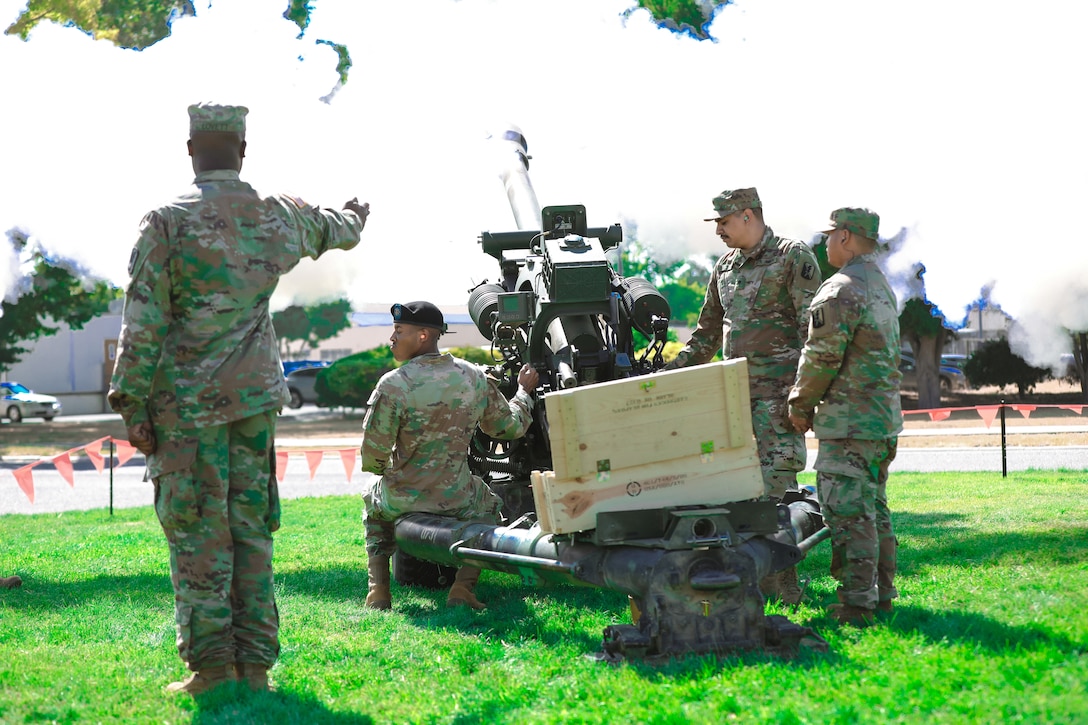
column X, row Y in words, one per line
column 92, row 490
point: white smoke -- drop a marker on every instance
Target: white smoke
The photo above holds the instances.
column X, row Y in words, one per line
column 962, row 122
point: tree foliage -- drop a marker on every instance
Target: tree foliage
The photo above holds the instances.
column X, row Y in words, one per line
column 994, row 363
column 682, row 281
column 309, row 325
column 685, row 15
column 127, row 23
column 56, row 295
column 349, row 381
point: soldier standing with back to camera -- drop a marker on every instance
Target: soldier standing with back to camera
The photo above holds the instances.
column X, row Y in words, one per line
column 756, row 307
column 199, row 383
column 849, row 375
column 419, row 421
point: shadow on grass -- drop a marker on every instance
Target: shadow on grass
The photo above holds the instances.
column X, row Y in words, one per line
column 976, row 631
column 37, row 594
column 950, row 539
column 510, row 618
column 235, row 704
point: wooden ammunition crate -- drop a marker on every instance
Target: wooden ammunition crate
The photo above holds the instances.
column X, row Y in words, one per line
column 673, row 438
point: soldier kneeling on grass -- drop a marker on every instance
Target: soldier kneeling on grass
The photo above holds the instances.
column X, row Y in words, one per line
column 416, row 436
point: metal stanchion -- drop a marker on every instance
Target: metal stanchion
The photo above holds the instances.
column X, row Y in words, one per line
column 1004, row 461
column 111, row 476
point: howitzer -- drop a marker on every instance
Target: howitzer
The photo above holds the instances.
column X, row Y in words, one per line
column 692, row 571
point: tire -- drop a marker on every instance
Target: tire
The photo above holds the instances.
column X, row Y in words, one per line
column 946, row 386
column 14, row 414
column 296, row 399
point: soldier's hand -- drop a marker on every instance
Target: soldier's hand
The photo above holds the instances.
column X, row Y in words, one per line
column 142, row 436
column 528, row 378
column 799, row 422
column 363, row 210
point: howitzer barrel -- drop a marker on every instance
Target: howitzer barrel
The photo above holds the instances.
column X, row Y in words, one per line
column 515, row 178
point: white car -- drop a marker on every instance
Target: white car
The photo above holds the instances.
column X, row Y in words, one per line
column 18, row 402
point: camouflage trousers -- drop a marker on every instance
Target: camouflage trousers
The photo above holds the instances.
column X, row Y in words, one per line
column 379, row 518
column 782, row 452
column 851, row 481
column 217, row 499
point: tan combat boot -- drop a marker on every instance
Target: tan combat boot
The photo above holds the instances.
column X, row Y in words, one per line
column 10, row 582
column 849, row 614
column 203, row 680
column 378, row 596
column 461, row 591
column 789, row 588
column 255, row 676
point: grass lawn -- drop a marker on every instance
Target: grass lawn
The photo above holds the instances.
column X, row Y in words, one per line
column 992, row 627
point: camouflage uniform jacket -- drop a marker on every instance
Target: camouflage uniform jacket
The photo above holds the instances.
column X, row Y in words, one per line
column 756, row 306
column 197, row 346
column 416, row 433
column 850, row 364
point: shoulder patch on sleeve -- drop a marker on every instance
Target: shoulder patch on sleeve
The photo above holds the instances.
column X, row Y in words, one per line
column 823, row 319
column 132, row 260
column 808, row 270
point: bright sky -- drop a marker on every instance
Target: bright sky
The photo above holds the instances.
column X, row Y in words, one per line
column 962, row 121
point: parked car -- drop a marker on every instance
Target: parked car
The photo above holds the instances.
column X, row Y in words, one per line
column 954, row 361
column 952, row 378
column 18, row 402
column 300, row 383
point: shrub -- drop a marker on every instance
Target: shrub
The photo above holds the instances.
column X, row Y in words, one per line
column 994, row 363
column 348, row 382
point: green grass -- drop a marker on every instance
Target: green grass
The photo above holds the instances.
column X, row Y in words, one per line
column 992, row 626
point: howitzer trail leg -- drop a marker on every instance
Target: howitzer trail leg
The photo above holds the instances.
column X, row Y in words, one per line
column 461, row 591
column 378, row 596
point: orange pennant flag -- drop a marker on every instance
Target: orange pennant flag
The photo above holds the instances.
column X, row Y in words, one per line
column 1075, row 408
column 313, row 460
column 94, row 452
column 125, row 451
column 988, row 413
column 1024, row 410
column 941, row 414
column 25, row 479
column 281, row 465
column 347, row 457
column 63, row 462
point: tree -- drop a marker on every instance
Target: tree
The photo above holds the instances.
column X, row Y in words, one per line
column 1080, row 360
column 127, row 23
column 56, row 294
column 994, row 363
column 922, row 326
column 309, row 325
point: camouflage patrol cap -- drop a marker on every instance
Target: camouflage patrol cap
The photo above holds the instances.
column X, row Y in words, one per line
column 420, row 314
column 859, row 221
column 213, row 117
column 730, row 201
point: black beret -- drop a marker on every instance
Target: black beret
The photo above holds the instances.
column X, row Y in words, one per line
column 419, row 313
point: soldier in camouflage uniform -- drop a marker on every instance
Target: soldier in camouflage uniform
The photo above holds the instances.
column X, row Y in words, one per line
column 849, row 374
column 199, row 383
column 416, row 435
column 756, row 307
